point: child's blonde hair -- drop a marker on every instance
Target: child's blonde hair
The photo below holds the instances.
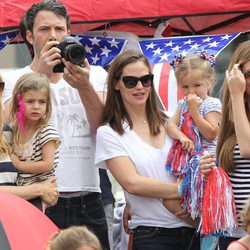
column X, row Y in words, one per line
column 29, row 82
column 4, row 146
column 195, row 62
column 73, row 238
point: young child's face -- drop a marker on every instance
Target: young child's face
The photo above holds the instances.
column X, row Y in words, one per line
column 195, row 83
column 35, row 104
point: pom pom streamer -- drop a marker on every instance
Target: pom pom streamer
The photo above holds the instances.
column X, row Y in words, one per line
column 219, row 212
column 177, row 160
column 20, row 115
column 192, row 192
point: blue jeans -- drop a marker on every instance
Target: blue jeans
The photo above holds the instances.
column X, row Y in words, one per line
column 37, row 202
column 81, row 210
column 152, row 238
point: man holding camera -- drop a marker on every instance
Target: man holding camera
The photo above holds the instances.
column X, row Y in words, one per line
column 77, row 105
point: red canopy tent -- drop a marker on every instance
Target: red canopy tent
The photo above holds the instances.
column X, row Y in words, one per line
column 141, row 17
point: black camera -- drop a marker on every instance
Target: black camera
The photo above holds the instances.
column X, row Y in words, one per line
column 72, row 51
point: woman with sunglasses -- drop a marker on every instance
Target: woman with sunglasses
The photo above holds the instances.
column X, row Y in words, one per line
column 133, row 144
column 233, row 150
column 46, row 190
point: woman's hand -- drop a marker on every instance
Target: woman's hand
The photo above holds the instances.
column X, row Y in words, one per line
column 126, row 218
column 207, row 162
column 49, row 193
column 175, row 208
column 236, row 81
column 187, row 218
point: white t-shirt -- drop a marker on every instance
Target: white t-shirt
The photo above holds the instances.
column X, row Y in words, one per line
column 150, row 162
column 75, row 171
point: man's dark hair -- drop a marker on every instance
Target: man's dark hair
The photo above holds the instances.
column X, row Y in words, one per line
column 27, row 20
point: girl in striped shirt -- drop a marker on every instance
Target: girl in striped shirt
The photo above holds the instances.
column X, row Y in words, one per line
column 35, row 141
column 233, row 148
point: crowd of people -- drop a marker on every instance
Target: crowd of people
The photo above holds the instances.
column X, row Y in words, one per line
column 121, row 129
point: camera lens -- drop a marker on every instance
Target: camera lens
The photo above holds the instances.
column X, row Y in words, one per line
column 75, row 53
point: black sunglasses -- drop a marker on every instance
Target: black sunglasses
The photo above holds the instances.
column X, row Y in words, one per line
column 131, row 81
column 1, row 86
column 247, row 74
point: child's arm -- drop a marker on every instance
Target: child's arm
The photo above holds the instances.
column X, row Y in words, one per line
column 207, row 126
column 175, row 208
column 38, row 167
column 174, row 131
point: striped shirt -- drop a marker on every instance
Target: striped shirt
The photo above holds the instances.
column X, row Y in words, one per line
column 240, row 180
column 8, row 172
column 32, row 151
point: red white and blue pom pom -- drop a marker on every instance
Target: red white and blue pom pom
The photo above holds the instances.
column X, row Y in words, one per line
column 219, row 213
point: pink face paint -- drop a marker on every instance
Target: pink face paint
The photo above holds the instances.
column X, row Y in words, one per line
column 20, row 115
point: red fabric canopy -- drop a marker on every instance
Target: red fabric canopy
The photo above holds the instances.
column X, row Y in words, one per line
column 185, row 17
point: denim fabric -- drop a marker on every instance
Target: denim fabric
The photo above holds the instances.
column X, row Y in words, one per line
column 225, row 241
column 81, row 210
column 152, row 238
column 37, row 202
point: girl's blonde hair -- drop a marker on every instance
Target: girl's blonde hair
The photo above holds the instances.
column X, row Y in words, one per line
column 195, row 62
column 73, row 238
column 4, row 146
column 29, row 82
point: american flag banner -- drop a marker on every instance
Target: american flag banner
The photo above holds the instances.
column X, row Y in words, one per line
column 101, row 51
column 165, row 49
column 7, row 37
column 160, row 52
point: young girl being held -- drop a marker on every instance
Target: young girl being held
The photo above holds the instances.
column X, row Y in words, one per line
column 196, row 77
column 35, row 141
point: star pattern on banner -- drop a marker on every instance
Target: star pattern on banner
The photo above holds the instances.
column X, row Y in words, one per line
column 7, row 37
column 101, row 51
column 165, row 49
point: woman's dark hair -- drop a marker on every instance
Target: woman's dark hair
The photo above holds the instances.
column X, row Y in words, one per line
column 114, row 111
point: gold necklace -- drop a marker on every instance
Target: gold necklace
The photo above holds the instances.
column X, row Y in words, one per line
column 144, row 121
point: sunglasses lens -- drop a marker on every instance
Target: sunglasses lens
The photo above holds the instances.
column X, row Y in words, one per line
column 130, row 81
column 147, row 80
column 247, row 74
